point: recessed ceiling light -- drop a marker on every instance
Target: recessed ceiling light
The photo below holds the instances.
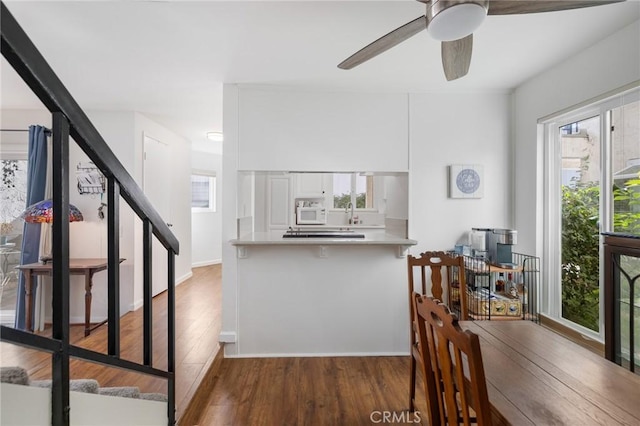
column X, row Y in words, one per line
column 215, row 136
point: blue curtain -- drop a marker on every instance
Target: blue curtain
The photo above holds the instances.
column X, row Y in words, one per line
column 36, row 186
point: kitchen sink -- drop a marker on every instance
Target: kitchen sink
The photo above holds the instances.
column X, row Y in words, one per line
column 322, row 234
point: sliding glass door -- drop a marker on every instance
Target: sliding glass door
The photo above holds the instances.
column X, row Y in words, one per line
column 593, row 186
column 580, row 145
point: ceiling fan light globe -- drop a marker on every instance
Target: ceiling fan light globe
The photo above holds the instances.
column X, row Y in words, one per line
column 456, row 21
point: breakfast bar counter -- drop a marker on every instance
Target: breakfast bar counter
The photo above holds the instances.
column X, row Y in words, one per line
column 322, row 240
column 318, row 295
column 276, row 238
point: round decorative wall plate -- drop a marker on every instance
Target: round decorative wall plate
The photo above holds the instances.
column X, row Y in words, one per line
column 466, row 181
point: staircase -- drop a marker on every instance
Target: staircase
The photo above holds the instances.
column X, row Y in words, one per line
column 70, row 121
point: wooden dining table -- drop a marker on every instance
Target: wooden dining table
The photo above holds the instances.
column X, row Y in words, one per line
column 538, row 377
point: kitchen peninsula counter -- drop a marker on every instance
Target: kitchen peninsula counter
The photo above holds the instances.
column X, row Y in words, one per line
column 275, row 238
column 319, row 296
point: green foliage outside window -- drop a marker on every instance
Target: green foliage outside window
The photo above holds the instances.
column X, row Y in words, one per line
column 626, row 218
column 342, row 201
column 580, row 255
column 580, row 245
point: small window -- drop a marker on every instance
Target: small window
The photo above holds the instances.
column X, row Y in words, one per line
column 203, row 192
column 352, row 188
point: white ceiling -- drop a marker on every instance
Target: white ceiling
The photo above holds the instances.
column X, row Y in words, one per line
column 169, row 59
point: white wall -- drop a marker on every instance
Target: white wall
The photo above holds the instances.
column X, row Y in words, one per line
column 293, row 302
column 18, row 142
column 450, row 129
column 230, row 213
column 284, row 129
column 396, row 196
column 89, row 238
column 31, row 405
column 605, row 66
column 206, row 232
column 180, row 193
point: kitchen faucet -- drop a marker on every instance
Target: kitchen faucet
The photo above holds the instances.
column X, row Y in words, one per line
column 350, row 206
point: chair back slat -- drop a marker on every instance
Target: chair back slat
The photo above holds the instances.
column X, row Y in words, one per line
column 441, row 265
column 457, row 352
column 435, row 270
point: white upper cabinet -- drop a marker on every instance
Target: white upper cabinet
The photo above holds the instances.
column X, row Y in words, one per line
column 310, row 185
column 320, row 131
column 279, row 207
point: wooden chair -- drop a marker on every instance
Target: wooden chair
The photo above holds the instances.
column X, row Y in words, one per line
column 458, row 386
column 440, row 265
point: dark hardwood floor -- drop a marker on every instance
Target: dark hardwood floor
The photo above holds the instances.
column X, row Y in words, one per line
column 214, row 391
column 332, row 391
column 198, row 321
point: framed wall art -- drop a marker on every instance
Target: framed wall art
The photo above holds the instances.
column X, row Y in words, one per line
column 466, row 181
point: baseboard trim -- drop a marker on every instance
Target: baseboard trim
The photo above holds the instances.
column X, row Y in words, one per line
column 139, row 303
column 318, row 355
column 184, row 278
column 198, row 396
column 206, row 263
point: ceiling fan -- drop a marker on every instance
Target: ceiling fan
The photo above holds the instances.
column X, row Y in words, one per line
column 454, row 21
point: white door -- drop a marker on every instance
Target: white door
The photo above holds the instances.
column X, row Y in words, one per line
column 157, row 187
column 280, row 208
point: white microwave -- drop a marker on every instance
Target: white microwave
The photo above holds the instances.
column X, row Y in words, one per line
column 311, row 216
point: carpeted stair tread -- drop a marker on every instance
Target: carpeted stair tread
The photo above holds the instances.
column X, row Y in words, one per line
column 154, row 396
column 123, row 391
column 76, row 385
column 14, row 375
column 20, row 376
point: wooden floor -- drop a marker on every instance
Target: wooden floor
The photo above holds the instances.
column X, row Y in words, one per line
column 312, row 391
column 259, row 391
column 198, row 321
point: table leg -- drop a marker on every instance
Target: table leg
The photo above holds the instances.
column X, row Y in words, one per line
column 88, row 282
column 27, row 301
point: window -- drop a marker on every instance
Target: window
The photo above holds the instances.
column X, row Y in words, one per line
column 353, row 188
column 13, row 195
column 593, row 163
column 203, row 192
column 580, row 218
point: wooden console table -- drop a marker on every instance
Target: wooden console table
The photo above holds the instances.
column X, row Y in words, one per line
column 86, row 267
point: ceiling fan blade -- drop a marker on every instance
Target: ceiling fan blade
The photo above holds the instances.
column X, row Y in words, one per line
column 515, row 7
column 385, row 43
column 456, row 57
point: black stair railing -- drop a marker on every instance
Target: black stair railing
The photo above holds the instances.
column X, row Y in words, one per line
column 70, row 121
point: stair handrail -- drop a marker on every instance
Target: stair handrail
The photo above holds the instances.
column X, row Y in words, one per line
column 19, row 50
column 69, row 120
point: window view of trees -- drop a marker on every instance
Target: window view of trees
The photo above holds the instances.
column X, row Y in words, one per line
column 580, row 245
column 352, row 186
column 341, row 201
column 580, row 255
column 580, row 142
column 582, row 201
